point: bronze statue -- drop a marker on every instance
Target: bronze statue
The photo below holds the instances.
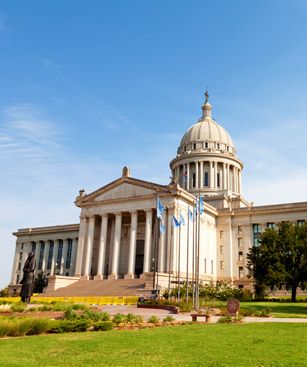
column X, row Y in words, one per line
column 27, row 280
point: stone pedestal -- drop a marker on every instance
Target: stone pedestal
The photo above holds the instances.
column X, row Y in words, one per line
column 129, row 276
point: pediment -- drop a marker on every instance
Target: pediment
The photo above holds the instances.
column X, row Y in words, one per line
column 124, row 191
column 121, row 189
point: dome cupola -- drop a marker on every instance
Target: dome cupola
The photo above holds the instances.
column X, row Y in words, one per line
column 206, row 158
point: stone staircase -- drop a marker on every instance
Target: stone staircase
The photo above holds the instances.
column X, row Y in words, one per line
column 106, row 287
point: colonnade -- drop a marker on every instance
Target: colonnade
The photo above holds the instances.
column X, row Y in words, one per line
column 208, row 174
column 52, row 256
column 109, row 249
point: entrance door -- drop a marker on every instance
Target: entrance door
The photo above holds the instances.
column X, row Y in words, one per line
column 139, row 258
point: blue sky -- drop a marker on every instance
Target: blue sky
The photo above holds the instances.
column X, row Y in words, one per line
column 87, row 87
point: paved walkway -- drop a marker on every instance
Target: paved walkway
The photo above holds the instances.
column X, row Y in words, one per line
column 147, row 312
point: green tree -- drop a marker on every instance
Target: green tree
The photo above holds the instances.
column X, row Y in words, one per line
column 40, row 283
column 280, row 259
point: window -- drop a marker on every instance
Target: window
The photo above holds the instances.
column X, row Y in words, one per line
column 227, row 148
column 68, row 255
column 17, row 279
column 59, row 257
column 206, row 145
column 50, row 255
column 22, row 246
column 19, row 266
column 239, row 229
column 211, row 267
column 205, row 265
column 270, row 225
column 218, row 146
column 221, row 265
column 33, row 248
column 241, row 272
column 20, row 256
column 193, row 179
column 41, row 256
column 221, row 234
column 240, row 255
column 218, row 180
column 206, row 179
column 194, row 146
column 256, row 234
column 221, row 250
column 185, row 148
column 301, row 222
column 240, row 242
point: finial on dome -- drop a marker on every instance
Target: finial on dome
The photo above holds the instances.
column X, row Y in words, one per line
column 206, row 107
column 207, row 96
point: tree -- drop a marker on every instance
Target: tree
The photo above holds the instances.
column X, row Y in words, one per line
column 280, row 259
column 40, row 283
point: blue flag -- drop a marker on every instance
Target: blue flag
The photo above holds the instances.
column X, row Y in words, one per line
column 181, row 219
column 162, row 228
column 175, row 222
column 191, row 215
column 160, row 209
column 201, row 205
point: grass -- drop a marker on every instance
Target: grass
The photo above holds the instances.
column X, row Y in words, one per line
column 279, row 309
column 216, row 345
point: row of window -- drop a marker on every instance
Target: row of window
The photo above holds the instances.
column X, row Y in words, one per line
column 50, row 254
column 205, row 266
column 205, row 145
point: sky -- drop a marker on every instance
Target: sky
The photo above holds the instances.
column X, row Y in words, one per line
column 87, row 87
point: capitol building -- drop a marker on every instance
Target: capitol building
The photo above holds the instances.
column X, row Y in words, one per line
column 120, row 241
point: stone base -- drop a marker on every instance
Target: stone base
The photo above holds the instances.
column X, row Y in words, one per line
column 98, row 277
column 14, row 290
column 129, row 276
column 113, row 276
column 85, row 277
column 58, row 281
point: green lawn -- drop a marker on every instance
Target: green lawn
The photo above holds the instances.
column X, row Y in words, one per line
column 215, row 345
column 279, row 309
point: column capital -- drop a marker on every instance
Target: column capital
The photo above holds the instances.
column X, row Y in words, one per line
column 148, row 211
column 133, row 211
column 104, row 215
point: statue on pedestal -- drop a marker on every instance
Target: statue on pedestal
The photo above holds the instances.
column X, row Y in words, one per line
column 27, row 280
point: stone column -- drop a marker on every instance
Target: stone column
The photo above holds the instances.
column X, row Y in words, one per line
column 54, row 256
column 228, row 177
column 169, row 239
column 211, row 175
column 224, row 177
column 15, row 262
column 73, row 255
column 89, row 248
column 81, row 241
column 240, row 182
column 102, row 247
column 201, row 174
column 132, row 247
column 64, row 256
column 116, row 246
column 37, row 252
column 46, row 255
column 162, row 241
column 196, row 176
column 188, row 176
column 147, row 244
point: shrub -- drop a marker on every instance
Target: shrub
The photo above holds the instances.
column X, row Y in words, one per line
column 103, row 326
column 185, row 307
column 4, row 292
column 119, row 318
column 45, row 308
column 38, row 326
column 265, row 312
column 230, row 320
column 168, row 319
column 70, row 314
column 19, row 328
column 246, row 311
column 153, row 319
column 105, row 316
column 65, row 326
column 91, row 315
column 5, row 327
column 79, row 306
column 18, row 307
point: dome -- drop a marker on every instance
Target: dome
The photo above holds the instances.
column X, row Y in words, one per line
column 207, row 134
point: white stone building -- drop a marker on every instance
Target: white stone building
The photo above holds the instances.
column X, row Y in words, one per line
column 118, row 236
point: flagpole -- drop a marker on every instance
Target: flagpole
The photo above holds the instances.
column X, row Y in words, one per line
column 193, row 258
column 179, row 264
column 169, row 261
column 197, row 258
column 157, row 254
column 187, row 274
